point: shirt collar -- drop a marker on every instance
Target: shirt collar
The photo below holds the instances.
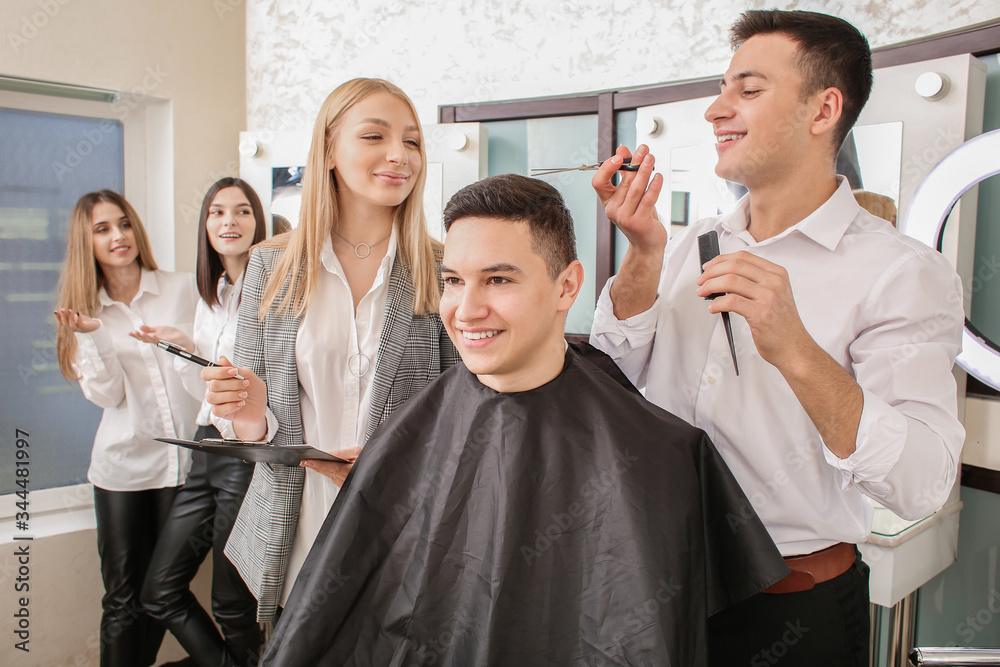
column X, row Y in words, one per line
column 147, row 283
column 225, row 285
column 826, row 225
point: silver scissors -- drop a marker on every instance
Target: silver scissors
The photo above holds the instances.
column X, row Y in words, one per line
column 626, row 166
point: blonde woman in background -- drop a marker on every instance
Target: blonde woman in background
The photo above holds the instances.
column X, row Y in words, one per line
column 110, row 287
column 338, row 325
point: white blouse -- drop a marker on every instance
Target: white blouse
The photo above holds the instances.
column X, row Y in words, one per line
column 137, row 385
column 335, row 353
column 214, row 336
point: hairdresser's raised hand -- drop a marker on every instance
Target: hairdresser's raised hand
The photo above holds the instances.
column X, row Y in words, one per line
column 334, row 470
column 154, row 335
column 244, row 402
column 631, row 204
column 76, row 322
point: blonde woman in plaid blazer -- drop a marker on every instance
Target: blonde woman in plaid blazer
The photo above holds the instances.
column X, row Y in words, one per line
column 362, row 201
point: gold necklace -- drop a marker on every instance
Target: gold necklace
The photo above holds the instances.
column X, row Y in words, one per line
column 357, row 246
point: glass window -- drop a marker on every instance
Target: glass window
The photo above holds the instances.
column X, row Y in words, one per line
column 625, row 135
column 49, row 161
column 567, row 141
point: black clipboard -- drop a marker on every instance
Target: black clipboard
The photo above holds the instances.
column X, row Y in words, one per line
column 258, row 452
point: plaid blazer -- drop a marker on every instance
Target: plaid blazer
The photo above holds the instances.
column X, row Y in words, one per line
column 412, row 352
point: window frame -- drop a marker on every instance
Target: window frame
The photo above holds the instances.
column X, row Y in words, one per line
column 980, row 39
column 149, row 187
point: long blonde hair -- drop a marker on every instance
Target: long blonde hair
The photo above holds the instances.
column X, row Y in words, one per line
column 82, row 277
column 300, row 263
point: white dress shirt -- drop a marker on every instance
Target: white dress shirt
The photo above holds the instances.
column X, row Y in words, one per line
column 214, row 336
column 335, row 352
column 887, row 308
column 137, row 385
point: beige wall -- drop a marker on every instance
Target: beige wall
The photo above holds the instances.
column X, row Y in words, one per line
column 192, row 53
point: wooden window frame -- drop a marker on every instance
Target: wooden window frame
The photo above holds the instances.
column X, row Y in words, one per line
column 980, row 39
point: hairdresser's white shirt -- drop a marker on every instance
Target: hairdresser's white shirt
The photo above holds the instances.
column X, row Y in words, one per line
column 335, row 352
column 137, row 385
column 214, row 336
column 886, row 307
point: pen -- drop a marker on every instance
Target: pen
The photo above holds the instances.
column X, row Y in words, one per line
column 184, row 354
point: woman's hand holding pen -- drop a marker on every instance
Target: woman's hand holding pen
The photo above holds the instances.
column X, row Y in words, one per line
column 154, row 335
column 76, row 322
column 336, row 471
column 244, row 402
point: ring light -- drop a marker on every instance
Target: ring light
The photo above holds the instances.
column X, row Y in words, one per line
column 967, row 165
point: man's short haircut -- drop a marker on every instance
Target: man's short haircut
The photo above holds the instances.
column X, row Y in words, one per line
column 521, row 199
column 832, row 53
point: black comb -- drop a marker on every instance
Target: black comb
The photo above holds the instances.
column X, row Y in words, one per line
column 708, row 249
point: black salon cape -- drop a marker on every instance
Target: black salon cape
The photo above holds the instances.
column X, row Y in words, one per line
column 573, row 524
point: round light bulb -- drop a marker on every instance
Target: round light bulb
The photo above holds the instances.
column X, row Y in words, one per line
column 457, row 141
column 653, row 126
column 931, row 85
column 249, row 148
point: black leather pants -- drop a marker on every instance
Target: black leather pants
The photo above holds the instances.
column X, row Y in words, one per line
column 200, row 520
column 128, row 523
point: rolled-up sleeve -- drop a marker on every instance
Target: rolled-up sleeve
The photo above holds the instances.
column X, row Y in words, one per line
column 630, row 341
column 909, row 439
column 228, row 431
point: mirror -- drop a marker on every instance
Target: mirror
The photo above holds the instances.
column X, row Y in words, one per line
column 870, row 159
column 286, row 197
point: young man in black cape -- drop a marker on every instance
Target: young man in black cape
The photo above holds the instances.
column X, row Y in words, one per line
column 529, row 507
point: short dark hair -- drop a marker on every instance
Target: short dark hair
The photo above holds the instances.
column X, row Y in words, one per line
column 209, row 265
column 521, row 199
column 832, row 53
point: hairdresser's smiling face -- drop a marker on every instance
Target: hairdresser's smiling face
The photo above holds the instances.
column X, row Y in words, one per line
column 113, row 236
column 376, row 153
column 760, row 119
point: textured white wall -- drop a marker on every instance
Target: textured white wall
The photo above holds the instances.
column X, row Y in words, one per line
column 460, row 51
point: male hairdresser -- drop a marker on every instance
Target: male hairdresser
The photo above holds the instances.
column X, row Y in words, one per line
column 528, row 507
column 845, row 332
